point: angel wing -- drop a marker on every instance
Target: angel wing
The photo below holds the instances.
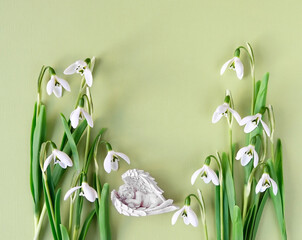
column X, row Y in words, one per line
column 147, row 198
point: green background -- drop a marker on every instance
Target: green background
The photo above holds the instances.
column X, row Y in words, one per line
column 156, row 86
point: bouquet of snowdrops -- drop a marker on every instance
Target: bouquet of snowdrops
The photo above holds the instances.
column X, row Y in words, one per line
column 49, row 161
column 260, row 157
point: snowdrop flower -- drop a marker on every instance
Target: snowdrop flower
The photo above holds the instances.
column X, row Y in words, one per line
column 58, row 157
column 246, row 154
column 82, row 68
column 266, row 182
column 207, row 174
column 112, row 158
column 223, row 110
column 78, row 114
column 251, row 122
column 235, row 64
column 88, row 192
column 55, row 84
column 188, row 215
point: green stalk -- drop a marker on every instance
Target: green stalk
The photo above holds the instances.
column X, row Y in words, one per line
column 70, row 216
column 39, row 222
column 231, row 160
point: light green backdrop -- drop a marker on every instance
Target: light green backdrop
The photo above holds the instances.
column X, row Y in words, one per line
column 156, row 86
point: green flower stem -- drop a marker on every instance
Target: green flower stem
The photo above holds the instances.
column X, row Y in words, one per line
column 40, row 78
column 250, row 53
column 39, row 221
column 231, row 148
column 202, row 213
column 70, row 215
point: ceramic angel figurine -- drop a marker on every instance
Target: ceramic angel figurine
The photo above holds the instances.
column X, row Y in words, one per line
column 140, row 195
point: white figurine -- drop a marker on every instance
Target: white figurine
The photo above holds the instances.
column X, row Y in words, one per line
column 140, row 195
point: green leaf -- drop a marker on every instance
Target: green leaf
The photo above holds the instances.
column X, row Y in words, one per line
column 57, row 211
column 248, row 222
column 38, row 138
column 261, row 201
column 72, row 143
column 33, row 126
column 93, row 148
column 64, row 232
column 49, row 211
column 225, row 214
column 261, row 95
column 76, row 135
column 229, row 183
column 279, row 170
column 277, row 202
column 104, row 223
column 86, row 225
column 237, row 224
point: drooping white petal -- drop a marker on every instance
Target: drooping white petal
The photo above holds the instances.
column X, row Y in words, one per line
column 196, row 174
column 63, row 157
column 114, row 165
column 245, row 159
column 70, row 191
column 241, row 152
column 259, row 185
column 249, row 127
column 64, row 83
column 216, row 117
column 57, row 91
column 213, row 176
column 88, row 77
column 107, row 161
column 47, row 161
column 123, row 156
column 71, row 69
column 89, row 192
column 192, row 217
column 226, row 65
column 238, row 67
column 256, row 158
column 74, row 117
column 50, row 85
column 87, row 117
column 186, row 220
column 176, row 215
column 206, row 179
column 247, row 119
column 62, row 165
column 266, row 128
column 236, row 115
column 274, row 186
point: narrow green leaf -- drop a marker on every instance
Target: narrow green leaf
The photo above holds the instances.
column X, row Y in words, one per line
column 72, row 143
column 248, row 222
column 77, row 134
column 225, row 214
column 58, row 211
column 261, row 201
column 279, row 170
column 92, row 148
column 237, row 224
column 64, row 232
column 50, row 218
column 217, row 211
column 277, row 202
column 38, row 138
column 261, row 95
column 86, row 225
column 104, row 223
column 229, row 183
column 33, row 126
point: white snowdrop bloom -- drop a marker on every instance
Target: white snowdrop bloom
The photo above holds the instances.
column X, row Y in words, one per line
column 223, row 110
column 251, row 122
column 266, row 182
column 111, row 160
column 55, row 86
column 188, row 215
column 235, row 64
column 82, row 68
column 245, row 154
column 206, row 174
column 88, row 192
column 78, row 114
column 58, row 157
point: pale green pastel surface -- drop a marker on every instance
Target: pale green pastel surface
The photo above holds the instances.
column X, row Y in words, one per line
column 156, row 86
